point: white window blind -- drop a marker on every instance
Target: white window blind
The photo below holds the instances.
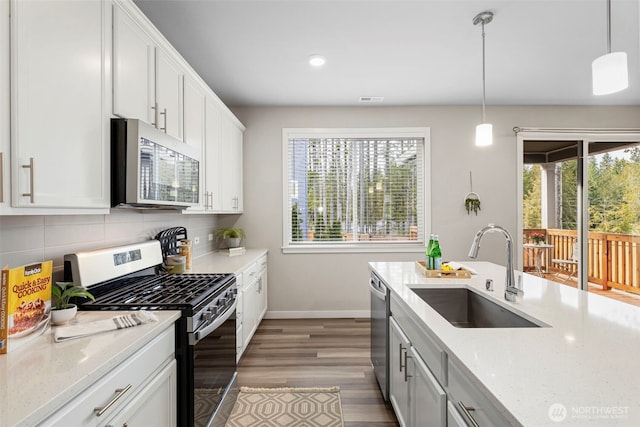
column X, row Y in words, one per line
column 365, row 188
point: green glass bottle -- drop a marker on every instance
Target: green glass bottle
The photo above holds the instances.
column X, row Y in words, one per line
column 429, row 257
column 436, row 254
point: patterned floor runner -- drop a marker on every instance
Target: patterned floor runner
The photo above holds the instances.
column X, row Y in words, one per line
column 287, row 407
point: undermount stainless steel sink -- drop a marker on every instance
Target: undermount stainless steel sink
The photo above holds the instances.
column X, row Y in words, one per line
column 464, row 308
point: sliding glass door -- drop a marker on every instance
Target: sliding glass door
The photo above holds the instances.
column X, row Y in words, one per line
column 579, row 195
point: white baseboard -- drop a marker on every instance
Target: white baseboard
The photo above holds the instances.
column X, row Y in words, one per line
column 332, row 314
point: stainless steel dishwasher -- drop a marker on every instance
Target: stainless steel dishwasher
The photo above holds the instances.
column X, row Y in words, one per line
column 380, row 308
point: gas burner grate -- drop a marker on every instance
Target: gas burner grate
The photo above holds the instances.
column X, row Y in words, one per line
column 181, row 290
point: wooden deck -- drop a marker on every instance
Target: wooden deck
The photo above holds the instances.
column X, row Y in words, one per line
column 626, row 297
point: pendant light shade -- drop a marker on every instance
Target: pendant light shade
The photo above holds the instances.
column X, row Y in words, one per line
column 484, row 131
column 484, row 134
column 610, row 72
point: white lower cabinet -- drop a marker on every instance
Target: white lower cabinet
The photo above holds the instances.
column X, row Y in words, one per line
column 427, row 388
column 416, row 396
column 429, row 400
column 454, row 419
column 471, row 402
column 154, row 405
column 252, row 302
column 399, row 380
column 141, row 391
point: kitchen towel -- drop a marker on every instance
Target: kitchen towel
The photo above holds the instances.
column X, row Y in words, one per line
column 66, row 333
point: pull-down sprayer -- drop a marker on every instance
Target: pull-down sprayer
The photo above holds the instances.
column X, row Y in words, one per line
column 511, row 291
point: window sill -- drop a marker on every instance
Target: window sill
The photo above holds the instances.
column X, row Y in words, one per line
column 354, row 248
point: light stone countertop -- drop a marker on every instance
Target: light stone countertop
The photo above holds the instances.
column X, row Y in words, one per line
column 584, row 360
column 40, row 377
column 221, row 262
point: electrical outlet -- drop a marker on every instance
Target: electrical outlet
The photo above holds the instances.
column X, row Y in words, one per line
column 196, row 240
column 210, row 236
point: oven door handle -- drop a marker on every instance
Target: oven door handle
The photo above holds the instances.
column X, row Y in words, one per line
column 376, row 292
column 196, row 336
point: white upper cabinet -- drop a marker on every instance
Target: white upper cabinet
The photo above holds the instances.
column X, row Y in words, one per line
column 147, row 81
column 169, row 93
column 194, row 118
column 60, row 78
column 231, row 167
column 5, row 134
column 134, row 88
column 213, row 118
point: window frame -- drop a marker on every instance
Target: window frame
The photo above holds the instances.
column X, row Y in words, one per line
column 356, row 247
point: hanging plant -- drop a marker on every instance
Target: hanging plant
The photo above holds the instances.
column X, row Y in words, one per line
column 472, row 205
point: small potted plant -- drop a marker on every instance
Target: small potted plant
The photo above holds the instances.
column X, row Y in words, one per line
column 232, row 236
column 62, row 292
column 538, row 238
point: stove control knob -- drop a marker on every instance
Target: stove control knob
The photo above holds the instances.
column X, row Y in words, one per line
column 207, row 315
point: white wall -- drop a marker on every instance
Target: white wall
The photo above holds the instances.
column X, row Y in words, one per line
column 337, row 283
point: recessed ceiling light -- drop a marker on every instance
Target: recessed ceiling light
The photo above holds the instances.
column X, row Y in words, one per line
column 317, row 60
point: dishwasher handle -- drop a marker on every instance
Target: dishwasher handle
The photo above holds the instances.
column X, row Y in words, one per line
column 376, row 292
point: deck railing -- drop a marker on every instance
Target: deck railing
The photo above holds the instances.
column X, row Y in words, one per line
column 613, row 260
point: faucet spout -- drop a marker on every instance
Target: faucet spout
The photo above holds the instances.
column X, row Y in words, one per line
column 511, row 290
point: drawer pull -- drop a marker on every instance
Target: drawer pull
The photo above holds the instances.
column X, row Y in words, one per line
column 155, row 115
column 119, row 393
column 164, row 113
column 406, row 367
column 467, row 412
column 31, row 192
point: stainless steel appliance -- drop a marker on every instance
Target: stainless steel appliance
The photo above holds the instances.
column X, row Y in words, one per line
column 150, row 169
column 125, row 278
column 380, row 309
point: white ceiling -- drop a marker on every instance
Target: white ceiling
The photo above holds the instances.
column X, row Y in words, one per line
column 420, row 52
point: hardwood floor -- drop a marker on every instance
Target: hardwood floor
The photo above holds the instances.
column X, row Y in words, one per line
column 319, row 353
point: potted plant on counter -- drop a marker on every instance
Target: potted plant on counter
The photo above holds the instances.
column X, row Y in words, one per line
column 63, row 310
column 231, row 236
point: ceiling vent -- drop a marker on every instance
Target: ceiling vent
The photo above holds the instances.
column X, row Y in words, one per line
column 371, row 99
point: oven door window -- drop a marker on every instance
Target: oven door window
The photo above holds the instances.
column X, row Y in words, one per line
column 214, row 364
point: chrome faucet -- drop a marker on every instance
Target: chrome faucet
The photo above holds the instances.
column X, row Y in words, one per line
column 511, row 290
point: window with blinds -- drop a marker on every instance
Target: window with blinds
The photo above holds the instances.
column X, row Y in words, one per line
column 347, row 187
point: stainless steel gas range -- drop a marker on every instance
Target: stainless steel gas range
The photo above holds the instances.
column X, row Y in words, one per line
column 125, row 278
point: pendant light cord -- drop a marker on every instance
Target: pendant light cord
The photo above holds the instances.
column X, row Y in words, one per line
column 483, row 78
column 608, row 26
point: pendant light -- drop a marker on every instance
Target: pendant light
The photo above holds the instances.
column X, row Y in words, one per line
column 609, row 72
column 484, row 131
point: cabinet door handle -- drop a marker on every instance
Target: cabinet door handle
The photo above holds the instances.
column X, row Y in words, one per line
column 466, row 410
column 1, row 177
column 406, row 367
column 400, row 356
column 30, row 194
column 164, row 113
column 155, row 115
column 211, row 198
column 119, row 393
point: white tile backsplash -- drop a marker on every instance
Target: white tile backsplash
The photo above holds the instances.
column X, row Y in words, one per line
column 26, row 239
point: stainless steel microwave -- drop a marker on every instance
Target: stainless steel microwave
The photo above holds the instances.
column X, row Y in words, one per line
column 150, row 169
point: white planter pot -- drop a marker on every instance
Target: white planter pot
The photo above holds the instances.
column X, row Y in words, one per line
column 60, row 317
column 233, row 242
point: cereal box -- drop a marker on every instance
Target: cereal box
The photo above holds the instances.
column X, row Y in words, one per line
column 25, row 303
